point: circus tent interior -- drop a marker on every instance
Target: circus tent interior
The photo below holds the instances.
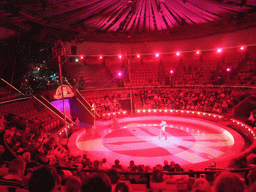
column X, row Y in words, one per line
column 89, row 82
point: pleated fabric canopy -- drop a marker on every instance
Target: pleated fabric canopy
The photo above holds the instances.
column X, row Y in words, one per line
column 124, row 16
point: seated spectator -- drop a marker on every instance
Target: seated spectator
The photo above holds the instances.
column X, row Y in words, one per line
column 96, row 165
column 83, row 160
column 228, row 182
column 3, row 168
column 252, row 180
column 251, row 159
column 117, row 165
column 114, row 176
column 13, row 180
column 2, row 122
column 201, row 185
column 65, row 174
column 131, row 165
column 166, row 166
column 42, row 180
column 123, row 187
column 157, row 176
column 80, row 175
column 190, row 182
column 2, row 150
column 103, row 165
column 97, row 182
column 73, row 184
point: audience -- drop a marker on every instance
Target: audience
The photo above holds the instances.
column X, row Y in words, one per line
column 201, row 185
column 123, row 187
column 117, row 165
column 39, row 154
column 42, row 180
column 228, row 182
column 14, row 178
column 73, row 184
column 97, row 182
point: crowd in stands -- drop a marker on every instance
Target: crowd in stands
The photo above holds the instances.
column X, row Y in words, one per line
column 205, row 100
column 41, row 164
column 106, row 104
column 36, row 155
column 19, row 175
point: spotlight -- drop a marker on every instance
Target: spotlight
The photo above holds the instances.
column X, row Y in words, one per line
column 100, row 57
column 219, row 50
column 177, row 53
column 77, row 60
column 81, row 57
column 242, row 48
column 228, row 69
column 138, row 55
column 119, row 74
column 171, row 71
column 120, row 56
column 157, row 54
column 198, row 52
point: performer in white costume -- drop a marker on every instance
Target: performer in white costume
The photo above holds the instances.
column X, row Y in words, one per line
column 163, row 125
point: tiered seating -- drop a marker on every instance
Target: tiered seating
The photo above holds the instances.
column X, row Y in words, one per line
column 29, row 109
column 144, row 75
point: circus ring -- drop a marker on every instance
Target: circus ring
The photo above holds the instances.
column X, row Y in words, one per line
column 195, row 139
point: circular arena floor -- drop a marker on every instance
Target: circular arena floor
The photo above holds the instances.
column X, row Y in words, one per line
column 193, row 143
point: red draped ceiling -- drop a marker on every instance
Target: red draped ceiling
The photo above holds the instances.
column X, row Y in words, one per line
column 132, row 15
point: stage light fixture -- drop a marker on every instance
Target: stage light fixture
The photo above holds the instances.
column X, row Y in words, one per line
column 178, row 53
column 171, row 71
column 100, row 57
column 242, row 48
column 120, row 56
column 119, row 74
column 228, row 69
column 138, row 55
column 77, row 60
column 81, row 57
column 219, row 50
column 198, row 52
column 157, row 54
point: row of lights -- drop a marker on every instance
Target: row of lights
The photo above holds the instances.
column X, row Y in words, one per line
column 64, row 130
column 114, row 113
column 242, row 125
column 177, row 111
column 157, row 55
